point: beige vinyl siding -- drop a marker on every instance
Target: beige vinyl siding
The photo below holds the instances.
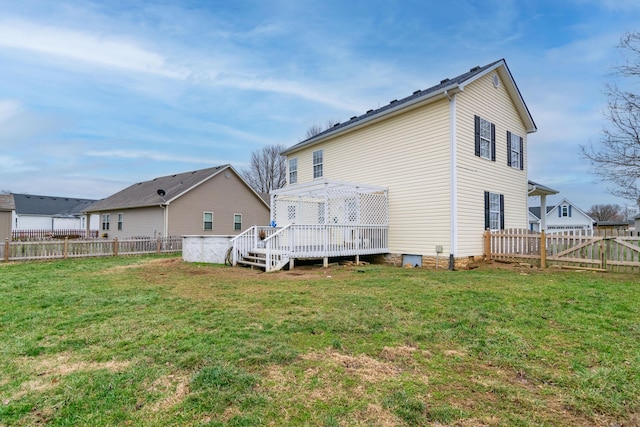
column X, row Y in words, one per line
column 408, row 154
column 223, row 196
column 140, row 222
column 5, row 226
column 477, row 175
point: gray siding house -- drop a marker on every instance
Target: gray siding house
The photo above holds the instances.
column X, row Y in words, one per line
column 212, row 201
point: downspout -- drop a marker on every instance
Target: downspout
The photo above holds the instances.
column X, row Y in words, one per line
column 165, row 219
column 454, row 180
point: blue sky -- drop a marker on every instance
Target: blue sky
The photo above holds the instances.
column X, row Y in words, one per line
column 97, row 95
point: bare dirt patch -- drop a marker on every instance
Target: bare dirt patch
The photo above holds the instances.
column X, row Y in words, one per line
column 46, row 371
column 175, row 387
column 363, row 366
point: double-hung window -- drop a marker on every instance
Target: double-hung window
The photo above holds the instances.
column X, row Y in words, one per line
column 493, row 211
column 485, row 138
column 207, row 221
column 515, row 151
column 105, row 221
column 293, row 171
column 565, row 210
column 317, row 164
column 237, row 222
column 120, row 220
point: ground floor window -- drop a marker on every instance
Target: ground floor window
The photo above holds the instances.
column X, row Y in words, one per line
column 207, row 219
column 105, row 221
column 493, row 211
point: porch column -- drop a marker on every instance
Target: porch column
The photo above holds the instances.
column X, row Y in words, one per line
column 543, row 212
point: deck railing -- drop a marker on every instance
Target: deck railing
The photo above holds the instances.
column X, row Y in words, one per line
column 300, row 241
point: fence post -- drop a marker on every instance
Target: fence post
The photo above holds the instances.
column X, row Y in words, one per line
column 487, row 245
column 6, row 249
column 543, row 249
column 66, row 247
column 115, row 246
column 158, row 247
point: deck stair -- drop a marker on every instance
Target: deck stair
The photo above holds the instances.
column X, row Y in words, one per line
column 255, row 258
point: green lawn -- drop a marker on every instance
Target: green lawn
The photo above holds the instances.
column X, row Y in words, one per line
column 153, row 341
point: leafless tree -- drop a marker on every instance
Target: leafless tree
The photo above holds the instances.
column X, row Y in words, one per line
column 617, row 158
column 318, row 129
column 608, row 212
column 267, row 169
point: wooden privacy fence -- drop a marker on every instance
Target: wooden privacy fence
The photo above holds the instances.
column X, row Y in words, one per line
column 20, row 251
column 611, row 251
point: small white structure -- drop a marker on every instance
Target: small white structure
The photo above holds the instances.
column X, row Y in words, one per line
column 209, row 249
column 319, row 219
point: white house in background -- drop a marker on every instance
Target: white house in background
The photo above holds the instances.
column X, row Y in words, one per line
column 564, row 217
column 52, row 213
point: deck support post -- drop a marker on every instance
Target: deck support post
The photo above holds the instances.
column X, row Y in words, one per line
column 325, row 262
column 291, row 263
column 358, row 259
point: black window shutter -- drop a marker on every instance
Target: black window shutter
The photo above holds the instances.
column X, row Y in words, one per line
column 521, row 154
column 493, row 142
column 508, row 148
column 487, row 222
column 501, row 212
column 477, row 134
column 559, row 211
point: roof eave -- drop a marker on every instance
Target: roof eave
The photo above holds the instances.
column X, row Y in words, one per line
column 406, row 106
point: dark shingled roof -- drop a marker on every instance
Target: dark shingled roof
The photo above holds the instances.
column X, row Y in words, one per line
column 146, row 193
column 395, row 104
column 28, row 204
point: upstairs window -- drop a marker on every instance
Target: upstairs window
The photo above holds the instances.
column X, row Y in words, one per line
column 293, row 171
column 515, row 151
column 105, row 221
column 207, row 221
column 120, row 220
column 493, row 211
column 485, row 138
column 564, row 211
column 317, row 164
column 237, row 222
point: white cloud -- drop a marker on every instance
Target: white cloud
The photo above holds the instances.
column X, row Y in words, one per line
column 84, row 46
column 151, row 155
column 10, row 164
column 8, row 110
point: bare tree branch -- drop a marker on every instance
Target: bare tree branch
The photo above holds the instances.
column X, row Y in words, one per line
column 616, row 159
column 267, row 169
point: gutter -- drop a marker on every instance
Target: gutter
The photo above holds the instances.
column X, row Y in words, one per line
column 455, row 88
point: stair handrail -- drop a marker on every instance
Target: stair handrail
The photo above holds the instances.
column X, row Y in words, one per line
column 239, row 243
column 269, row 242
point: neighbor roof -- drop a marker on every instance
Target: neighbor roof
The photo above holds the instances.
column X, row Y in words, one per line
column 6, row 202
column 446, row 86
column 146, row 193
column 28, row 204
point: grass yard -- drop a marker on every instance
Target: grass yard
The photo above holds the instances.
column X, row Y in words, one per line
column 153, row 341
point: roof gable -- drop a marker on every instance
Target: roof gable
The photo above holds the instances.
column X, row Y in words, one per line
column 420, row 97
column 553, row 211
column 147, row 193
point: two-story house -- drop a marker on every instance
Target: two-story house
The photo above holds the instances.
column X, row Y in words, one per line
column 450, row 162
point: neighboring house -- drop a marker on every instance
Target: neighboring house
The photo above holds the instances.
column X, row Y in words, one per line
column 50, row 213
column 213, row 201
column 451, row 162
column 6, row 209
column 564, row 217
